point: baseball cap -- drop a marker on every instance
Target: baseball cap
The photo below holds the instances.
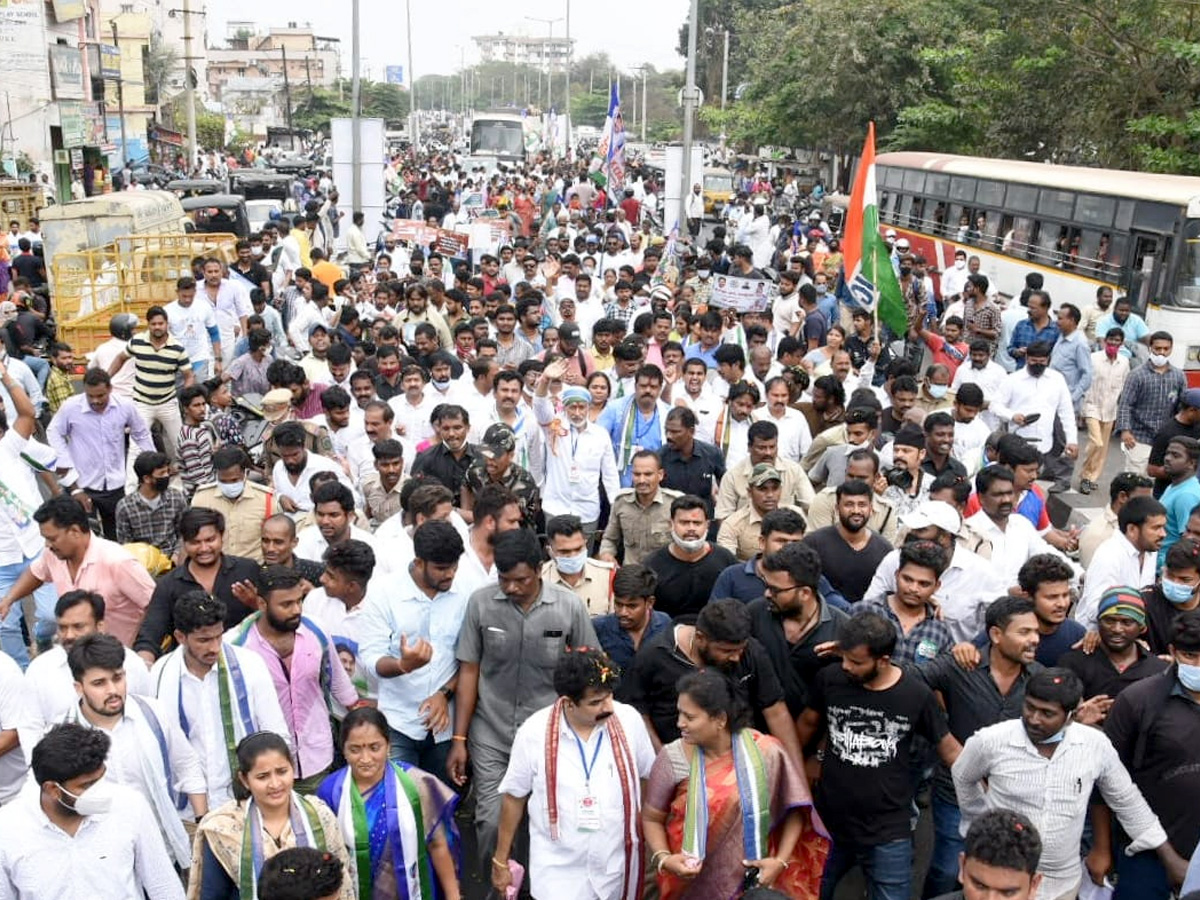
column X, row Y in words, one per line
column 1191, row 397
column 317, row 326
column 937, row 513
column 762, row 473
column 497, row 440
column 568, row 331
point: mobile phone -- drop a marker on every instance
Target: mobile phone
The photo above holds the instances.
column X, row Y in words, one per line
column 1030, row 419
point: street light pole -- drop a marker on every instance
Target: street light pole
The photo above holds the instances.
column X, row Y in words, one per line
column 689, row 113
column 725, row 72
column 414, row 128
column 567, row 104
column 120, row 92
column 189, row 95
column 355, row 110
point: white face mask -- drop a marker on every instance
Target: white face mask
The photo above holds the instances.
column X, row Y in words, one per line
column 1157, row 359
column 960, row 264
column 95, row 801
column 231, row 491
column 688, row 546
column 571, row 565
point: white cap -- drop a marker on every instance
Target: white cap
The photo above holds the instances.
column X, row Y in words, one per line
column 891, row 232
column 933, row 512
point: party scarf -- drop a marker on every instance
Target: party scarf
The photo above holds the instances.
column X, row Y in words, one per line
column 753, row 795
column 306, row 826
column 627, row 432
column 723, row 430
column 632, row 874
column 326, row 665
column 405, row 831
column 231, row 685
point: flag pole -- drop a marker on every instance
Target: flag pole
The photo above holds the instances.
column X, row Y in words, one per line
column 875, row 312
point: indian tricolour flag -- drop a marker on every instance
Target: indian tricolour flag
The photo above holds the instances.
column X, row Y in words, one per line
column 870, row 278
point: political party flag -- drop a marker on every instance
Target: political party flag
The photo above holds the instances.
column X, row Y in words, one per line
column 610, row 152
column 870, row 278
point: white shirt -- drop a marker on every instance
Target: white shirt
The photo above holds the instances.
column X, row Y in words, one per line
column 785, row 313
column 311, row 544
column 189, row 326
column 707, row 408
column 401, row 608
column 472, row 574
column 579, row 461
column 988, row 378
column 1116, row 562
column 200, row 700
column 795, row 437
column 20, row 538
column 298, row 492
column 232, row 303
column 343, row 626
column 1047, row 395
column 113, row 856
column 412, row 422
column 1054, row 793
column 1013, row 546
column 12, row 763
column 50, row 691
column 967, row 589
column 969, row 439
column 102, row 358
column 558, row 868
column 954, row 280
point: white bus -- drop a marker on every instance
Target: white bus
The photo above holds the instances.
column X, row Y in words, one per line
column 1081, row 228
column 498, row 138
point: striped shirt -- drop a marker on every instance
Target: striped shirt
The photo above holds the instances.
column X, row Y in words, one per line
column 155, row 369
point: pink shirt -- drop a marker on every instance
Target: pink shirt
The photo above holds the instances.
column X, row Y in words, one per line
column 113, row 573
column 300, row 696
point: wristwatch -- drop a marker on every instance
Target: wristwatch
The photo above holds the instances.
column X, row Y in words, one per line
column 447, row 692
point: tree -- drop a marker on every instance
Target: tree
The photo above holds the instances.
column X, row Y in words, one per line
column 158, row 62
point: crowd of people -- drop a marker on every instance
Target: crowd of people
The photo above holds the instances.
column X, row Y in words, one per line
column 352, row 557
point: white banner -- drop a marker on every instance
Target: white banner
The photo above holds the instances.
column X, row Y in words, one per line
column 742, row 294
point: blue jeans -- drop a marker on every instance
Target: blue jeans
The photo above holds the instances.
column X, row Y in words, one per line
column 1139, row 877
column 887, row 868
column 39, row 367
column 44, row 598
column 426, row 754
column 942, row 877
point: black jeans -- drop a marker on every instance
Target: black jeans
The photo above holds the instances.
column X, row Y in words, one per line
column 105, row 503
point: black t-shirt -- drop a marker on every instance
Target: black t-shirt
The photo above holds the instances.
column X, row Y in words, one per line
column 1170, row 429
column 649, row 685
column 795, row 664
column 26, row 265
column 253, row 277
column 849, row 571
column 866, row 789
column 1161, row 614
column 683, row 587
column 1100, row 676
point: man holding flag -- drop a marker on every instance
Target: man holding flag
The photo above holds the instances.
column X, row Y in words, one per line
column 870, row 279
column 608, row 165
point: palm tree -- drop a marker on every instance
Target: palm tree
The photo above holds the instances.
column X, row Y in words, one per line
column 158, row 64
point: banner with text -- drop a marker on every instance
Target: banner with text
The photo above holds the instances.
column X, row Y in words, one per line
column 742, row 294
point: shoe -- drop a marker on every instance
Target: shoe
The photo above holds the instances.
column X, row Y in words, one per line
column 1086, row 487
column 1060, row 486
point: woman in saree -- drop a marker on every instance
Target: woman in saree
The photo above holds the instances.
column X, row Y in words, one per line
column 234, row 840
column 397, row 820
column 725, row 807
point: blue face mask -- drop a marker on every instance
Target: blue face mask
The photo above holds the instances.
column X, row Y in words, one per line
column 1177, row 593
column 938, row 391
column 1057, row 737
column 1189, row 676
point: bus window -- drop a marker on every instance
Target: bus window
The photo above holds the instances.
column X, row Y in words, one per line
column 916, row 215
column 1093, row 247
column 903, row 207
column 1187, row 278
column 1021, row 198
column 1141, row 270
column 939, row 220
column 1016, row 240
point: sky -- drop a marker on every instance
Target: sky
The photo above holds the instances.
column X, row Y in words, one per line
column 632, row 32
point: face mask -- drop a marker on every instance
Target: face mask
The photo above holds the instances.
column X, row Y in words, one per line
column 440, row 385
column 688, row 546
column 905, row 271
column 960, row 264
column 1036, row 369
column 1177, row 592
column 1157, row 359
column 95, row 801
column 865, row 445
column 938, row 391
column 1057, row 737
column 231, row 491
column 571, row 565
column 822, row 289
column 256, row 251
column 1189, row 676
column 161, row 484
column 1110, row 351
column 703, row 274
